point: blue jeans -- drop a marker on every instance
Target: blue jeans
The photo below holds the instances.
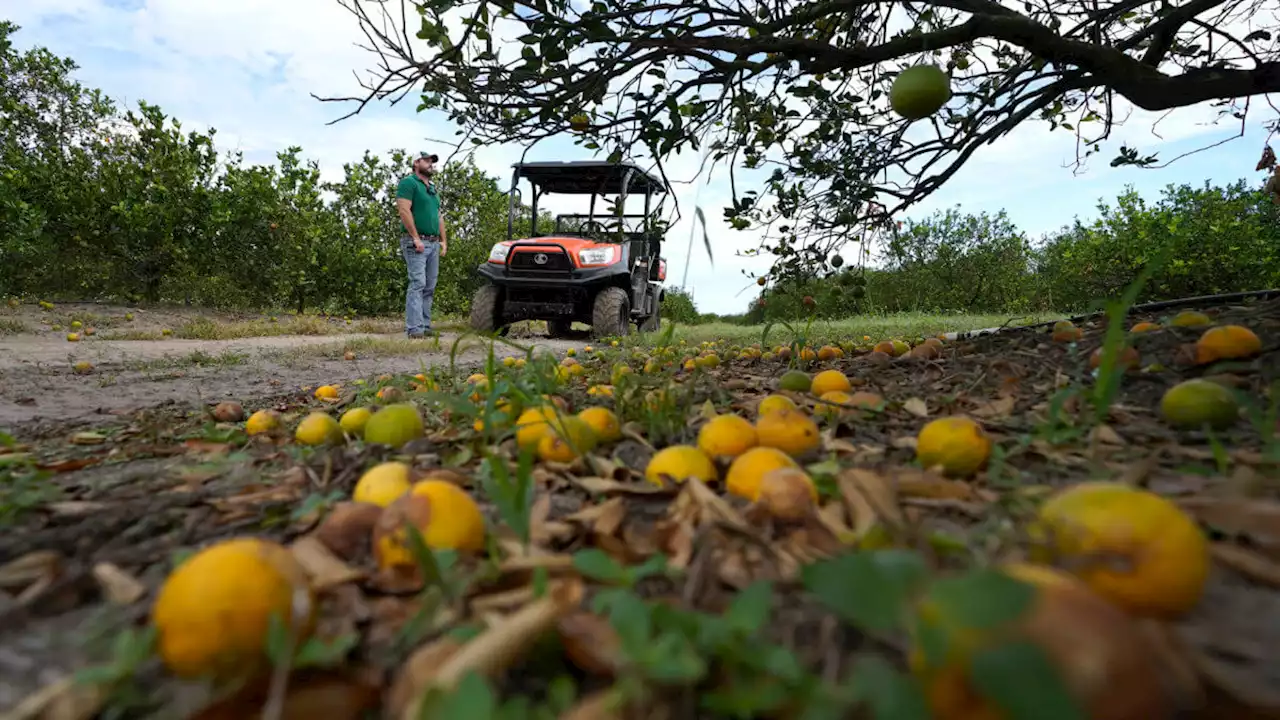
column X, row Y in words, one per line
column 424, row 268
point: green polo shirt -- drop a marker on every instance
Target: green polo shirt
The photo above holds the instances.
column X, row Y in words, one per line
column 424, row 204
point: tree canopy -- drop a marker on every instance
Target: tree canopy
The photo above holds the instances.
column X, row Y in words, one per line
column 798, row 89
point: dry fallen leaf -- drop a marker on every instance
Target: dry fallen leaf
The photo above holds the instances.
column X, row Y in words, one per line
column 1255, row 519
column 117, row 585
column 916, row 407
column 590, row 643
column 324, row 569
column 869, row 499
column 333, row 695
column 1248, row 563
column 64, row 699
column 497, row 648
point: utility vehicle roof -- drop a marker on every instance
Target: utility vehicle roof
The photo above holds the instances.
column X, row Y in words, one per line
column 584, row 177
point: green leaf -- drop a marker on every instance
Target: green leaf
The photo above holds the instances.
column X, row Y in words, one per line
column 598, row 565
column 750, row 610
column 472, row 698
column 1018, row 678
column 868, row 589
column 981, row 599
column 890, row 694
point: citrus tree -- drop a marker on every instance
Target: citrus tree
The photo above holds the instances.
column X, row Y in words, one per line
column 801, row 90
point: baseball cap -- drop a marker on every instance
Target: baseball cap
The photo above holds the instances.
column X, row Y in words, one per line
column 427, row 156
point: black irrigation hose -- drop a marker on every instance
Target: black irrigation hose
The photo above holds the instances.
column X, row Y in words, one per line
column 1199, row 300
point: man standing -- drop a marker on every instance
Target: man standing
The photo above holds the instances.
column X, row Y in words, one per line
column 424, row 241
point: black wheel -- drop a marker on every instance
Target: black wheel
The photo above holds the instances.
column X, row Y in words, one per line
column 486, row 306
column 559, row 328
column 611, row 313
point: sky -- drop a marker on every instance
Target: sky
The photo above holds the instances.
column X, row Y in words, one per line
column 250, row 70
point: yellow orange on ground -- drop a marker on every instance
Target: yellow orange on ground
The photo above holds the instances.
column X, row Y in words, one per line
column 604, row 422
column 726, row 436
column 1144, row 327
column 886, row 347
column 381, row 484
column 1227, row 342
column 677, row 463
column 444, row 515
column 326, row 392
column 747, row 471
column 832, row 403
column 262, row 421
column 318, row 428
column 828, row 381
column 532, row 424
column 569, row 437
column 774, row 403
column 354, row 420
column 1132, row 546
column 956, row 443
column 1099, row 653
column 791, row 431
column 213, row 612
column 1199, row 402
column 1190, row 318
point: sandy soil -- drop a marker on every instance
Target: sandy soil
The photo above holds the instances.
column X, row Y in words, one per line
column 39, row 388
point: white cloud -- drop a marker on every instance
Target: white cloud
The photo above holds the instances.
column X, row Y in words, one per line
column 249, row 69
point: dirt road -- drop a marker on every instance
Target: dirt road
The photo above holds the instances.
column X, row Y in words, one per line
column 39, row 385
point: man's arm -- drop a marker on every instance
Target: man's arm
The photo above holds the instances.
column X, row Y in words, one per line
column 444, row 238
column 405, row 208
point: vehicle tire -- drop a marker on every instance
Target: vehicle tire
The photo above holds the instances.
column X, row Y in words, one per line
column 486, row 308
column 559, row 328
column 611, row 313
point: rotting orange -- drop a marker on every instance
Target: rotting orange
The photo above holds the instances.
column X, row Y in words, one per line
column 446, row 516
column 1065, row 331
column 532, row 424
column 866, row 400
column 791, row 431
column 318, row 428
column 747, row 471
column 726, row 436
column 1132, row 546
column 1227, row 342
column 213, row 612
column 886, row 347
column 569, row 437
column 604, row 422
column 828, row 380
column 1099, row 652
column 381, row 484
column 1190, row 318
column 1144, row 327
column 788, row 494
column 956, row 443
column 1126, row 359
column 677, row 463
column 900, row 347
column 262, row 422
column 774, row 403
column 827, row 353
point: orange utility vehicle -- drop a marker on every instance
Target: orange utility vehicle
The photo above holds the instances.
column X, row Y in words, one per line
column 602, row 269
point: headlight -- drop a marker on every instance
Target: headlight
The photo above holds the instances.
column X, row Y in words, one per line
column 597, row 256
column 499, row 253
